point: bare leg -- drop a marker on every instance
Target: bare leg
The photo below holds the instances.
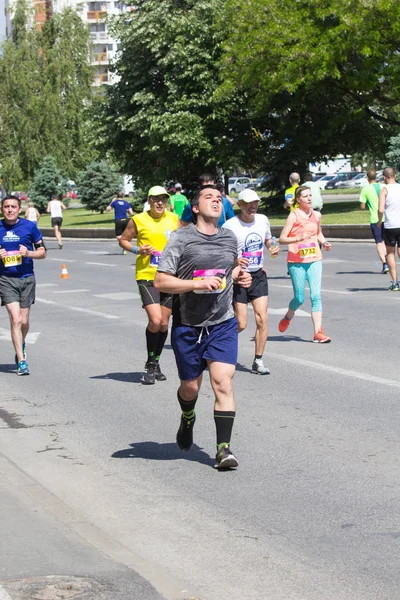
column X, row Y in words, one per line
column 19, row 323
column 391, row 262
column 260, row 307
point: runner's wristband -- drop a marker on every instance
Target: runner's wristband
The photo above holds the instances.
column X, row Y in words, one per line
column 325, row 242
column 135, row 249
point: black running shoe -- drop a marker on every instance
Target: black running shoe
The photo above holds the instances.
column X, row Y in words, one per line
column 149, row 375
column 159, row 375
column 184, row 437
column 225, row 459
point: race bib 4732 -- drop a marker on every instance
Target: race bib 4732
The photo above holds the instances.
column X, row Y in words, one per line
column 307, row 249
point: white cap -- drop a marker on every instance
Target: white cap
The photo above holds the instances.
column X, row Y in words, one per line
column 248, row 195
column 178, row 185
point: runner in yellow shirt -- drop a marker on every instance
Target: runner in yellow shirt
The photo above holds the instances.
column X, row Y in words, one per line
column 152, row 229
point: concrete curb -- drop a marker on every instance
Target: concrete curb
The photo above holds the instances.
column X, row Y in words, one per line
column 347, row 232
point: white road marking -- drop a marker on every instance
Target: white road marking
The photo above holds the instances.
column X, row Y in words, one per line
column 340, row 371
column 62, row 260
column 280, row 285
column 100, row 264
column 118, row 296
column 70, row 291
column 46, row 285
column 3, row 594
column 283, row 311
column 78, row 309
column 30, row 339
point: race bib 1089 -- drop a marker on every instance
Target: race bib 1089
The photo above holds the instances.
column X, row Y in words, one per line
column 12, row 258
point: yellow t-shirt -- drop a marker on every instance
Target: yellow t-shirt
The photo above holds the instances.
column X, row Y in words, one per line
column 290, row 195
column 154, row 232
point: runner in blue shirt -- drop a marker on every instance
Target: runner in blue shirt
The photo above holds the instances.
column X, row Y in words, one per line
column 20, row 243
column 122, row 209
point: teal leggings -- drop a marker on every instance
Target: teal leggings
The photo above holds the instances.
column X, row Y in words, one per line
column 299, row 274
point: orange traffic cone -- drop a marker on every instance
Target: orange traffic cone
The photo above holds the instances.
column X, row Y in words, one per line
column 64, row 272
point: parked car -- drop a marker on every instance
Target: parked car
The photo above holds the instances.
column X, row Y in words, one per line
column 324, row 180
column 261, row 182
column 358, row 180
column 238, row 184
column 362, row 181
column 340, row 180
column 21, row 195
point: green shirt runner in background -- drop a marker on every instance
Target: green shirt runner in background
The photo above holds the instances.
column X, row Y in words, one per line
column 369, row 195
column 178, row 200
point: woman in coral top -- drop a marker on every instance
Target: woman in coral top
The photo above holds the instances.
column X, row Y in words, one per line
column 302, row 232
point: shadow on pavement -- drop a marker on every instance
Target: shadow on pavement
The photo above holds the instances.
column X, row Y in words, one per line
column 8, row 368
column 371, row 289
column 169, row 451
column 287, row 338
column 357, row 273
column 134, row 377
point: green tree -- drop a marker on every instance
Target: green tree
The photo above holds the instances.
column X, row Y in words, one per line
column 48, row 181
column 324, row 73
column 98, row 183
column 161, row 120
column 393, row 154
column 45, row 93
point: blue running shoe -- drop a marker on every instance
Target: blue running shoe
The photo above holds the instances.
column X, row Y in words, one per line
column 22, row 368
column 23, row 353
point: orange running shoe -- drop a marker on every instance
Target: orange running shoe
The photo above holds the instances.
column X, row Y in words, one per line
column 321, row 338
column 284, row 324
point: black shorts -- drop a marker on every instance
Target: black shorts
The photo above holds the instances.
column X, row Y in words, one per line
column 258, row 288
column 14, row 289
column 392, row 236
column 377, row 232
column 150, row 295
column 56, row 221
column 120, row 226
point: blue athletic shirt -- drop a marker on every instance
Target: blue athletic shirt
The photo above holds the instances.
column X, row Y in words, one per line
column 120, row 208
column 24, row 233
column 227, row 212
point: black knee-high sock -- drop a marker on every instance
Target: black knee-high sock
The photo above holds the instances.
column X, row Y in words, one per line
column 224, row 424
column 162, row 336
column 151, row 342
column 187, row 407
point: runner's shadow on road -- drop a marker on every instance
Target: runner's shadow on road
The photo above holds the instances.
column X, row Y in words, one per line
column 356, row 273
column 8, row 368
column 287, row 338
column 169, row 451
column 134, row 377
column 371, row 289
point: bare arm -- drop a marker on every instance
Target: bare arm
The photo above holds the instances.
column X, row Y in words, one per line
column 129, row 211
column 38, row 253
column 170, row 284
column 48, row 207
column 284, row 237
column 381, row 207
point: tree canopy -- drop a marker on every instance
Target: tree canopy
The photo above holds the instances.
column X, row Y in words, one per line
column 324, row 73
column 98, row 183
column 45, row 89
column 162, row 119
column 48, row 182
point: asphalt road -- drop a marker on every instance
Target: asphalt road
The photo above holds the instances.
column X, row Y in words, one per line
column 312, row 512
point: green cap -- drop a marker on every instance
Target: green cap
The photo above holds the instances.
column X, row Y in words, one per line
column 157, row 190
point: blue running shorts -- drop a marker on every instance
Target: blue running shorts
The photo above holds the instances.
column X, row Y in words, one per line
column 194, row 346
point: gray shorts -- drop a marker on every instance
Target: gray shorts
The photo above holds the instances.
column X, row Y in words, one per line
column 14, row 289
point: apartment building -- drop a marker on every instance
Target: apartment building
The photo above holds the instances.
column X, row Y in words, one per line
column 96, row 15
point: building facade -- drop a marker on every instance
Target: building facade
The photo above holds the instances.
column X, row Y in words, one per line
column 95, row 14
